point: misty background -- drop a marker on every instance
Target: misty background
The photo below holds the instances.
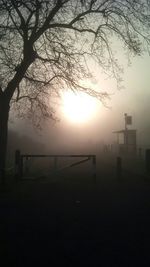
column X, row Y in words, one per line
column 55, row 137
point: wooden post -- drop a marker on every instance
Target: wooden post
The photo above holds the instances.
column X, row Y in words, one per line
column 147, row 160
column 55, row 164
column 26, row 165
column 21, row 167
column 119, row 167
column 17, row 164
column 140, row 153
column 94, row 168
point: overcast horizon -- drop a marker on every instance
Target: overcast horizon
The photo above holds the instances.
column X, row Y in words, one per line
column 133, row 100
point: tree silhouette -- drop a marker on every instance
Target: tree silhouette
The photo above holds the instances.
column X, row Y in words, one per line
column 45, row 47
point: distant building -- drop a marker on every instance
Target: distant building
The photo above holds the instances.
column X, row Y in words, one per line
column 126, row 139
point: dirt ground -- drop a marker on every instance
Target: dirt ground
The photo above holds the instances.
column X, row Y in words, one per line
column 73, row 221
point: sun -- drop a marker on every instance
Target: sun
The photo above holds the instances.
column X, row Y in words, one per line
column 78, row 107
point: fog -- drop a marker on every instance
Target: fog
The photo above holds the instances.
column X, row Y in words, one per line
column 64, row 136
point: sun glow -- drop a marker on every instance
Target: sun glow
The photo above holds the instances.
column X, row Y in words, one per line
column 78, row 107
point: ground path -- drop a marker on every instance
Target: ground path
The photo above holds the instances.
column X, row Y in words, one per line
column 74, row 222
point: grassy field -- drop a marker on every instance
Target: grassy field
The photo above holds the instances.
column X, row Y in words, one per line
column 70, row 220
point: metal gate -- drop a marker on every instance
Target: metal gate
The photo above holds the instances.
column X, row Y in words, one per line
column 23, row 162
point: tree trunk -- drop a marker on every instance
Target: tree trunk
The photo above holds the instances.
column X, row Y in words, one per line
column 4, row 114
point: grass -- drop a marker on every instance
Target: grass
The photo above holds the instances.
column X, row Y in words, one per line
column 72, row 221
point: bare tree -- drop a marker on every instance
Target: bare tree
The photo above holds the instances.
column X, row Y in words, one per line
column 45, row 46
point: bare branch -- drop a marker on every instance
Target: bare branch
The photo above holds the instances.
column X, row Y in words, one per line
column 46, row 46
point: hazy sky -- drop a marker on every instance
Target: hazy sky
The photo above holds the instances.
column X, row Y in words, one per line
column 133, row 99
column 136, row 96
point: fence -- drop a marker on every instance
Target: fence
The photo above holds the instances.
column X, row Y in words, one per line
column 137, row 166
column 20, row 158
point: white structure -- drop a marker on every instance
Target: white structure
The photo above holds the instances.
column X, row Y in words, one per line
column 126, row 139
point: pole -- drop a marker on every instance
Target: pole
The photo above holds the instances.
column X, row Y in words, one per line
column 55, row 163
column 119, row 167
column 94, row 168
column 17, row 164
column 147, row 160
column 126, row 134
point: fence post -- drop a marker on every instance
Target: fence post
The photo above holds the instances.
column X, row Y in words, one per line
column 140, row 153
column 94, row 168
column 55, row 163
column 147, row 160
column 119, row 167
column 26, row 165
column 18, row 165
column 21, row 167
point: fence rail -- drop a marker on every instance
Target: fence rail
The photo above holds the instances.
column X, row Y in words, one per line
column 19, row 161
